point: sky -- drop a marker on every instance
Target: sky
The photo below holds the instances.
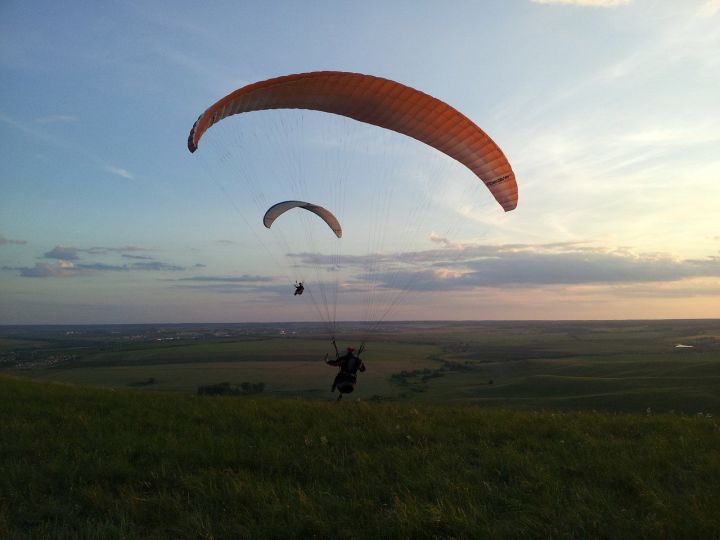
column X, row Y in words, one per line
column 607, row 110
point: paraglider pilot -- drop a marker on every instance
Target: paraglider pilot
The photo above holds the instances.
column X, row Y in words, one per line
column 349, row 364
column 299, row 289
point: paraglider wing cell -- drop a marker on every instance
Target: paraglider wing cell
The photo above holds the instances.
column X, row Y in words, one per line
column 380, row 102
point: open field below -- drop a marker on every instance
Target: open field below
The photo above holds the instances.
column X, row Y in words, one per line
column 627, row 366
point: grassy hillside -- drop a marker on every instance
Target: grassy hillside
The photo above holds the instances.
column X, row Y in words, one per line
column 99, row 463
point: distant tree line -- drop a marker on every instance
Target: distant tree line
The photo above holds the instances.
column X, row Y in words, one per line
column 227, row 389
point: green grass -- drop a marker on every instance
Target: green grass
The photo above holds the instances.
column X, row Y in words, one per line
column 91, row 463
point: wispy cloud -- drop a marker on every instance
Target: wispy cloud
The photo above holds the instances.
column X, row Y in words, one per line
column 245, row 278
column 663, row 136
column 156, row 266
column 710, row 8
column 694, row 288
column 33, row 129
column 101, row 250
column 6, row 241
column 118, row 171
column 63, row 268
column 56, row 119
column 44, row 270
column 255, row 289
column 585, row 3
column 71, row 253
column 35, row 132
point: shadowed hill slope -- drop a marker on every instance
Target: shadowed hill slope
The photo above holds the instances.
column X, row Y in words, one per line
column 94, row 463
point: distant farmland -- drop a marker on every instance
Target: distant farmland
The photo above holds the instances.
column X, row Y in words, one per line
column 631, row 366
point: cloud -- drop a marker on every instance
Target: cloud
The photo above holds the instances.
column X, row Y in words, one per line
column 466, row 252
column 66, row 268
column 710, row 8
column 436, row 238
column 55, row 119
column 156, row 266
column 239, row 288
column 245, row 278
column 702, row 290
column 118, row 171
column 34, row 129
column 65, row 253
column 5, row 241
column 512, row 265
column 58, row 269
column 70, row 253
column 245, row 284
column 102, row 250
column 585, row 3
column 29, row 130
column 663, row 136
column 540, row 269
column 102, row 267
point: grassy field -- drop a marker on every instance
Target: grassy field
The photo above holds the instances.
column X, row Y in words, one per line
column 286, row 366
column 87, row 463
column 624, row 366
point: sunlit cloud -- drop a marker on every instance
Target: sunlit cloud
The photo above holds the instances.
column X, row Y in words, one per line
column 512, row 265
column 587, row 3
column 436, row 238
column 710, row 8
column 691, row 288
column 697, row 135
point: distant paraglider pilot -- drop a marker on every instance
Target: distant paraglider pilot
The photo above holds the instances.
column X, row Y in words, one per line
column 299, row 289
column 349, row 364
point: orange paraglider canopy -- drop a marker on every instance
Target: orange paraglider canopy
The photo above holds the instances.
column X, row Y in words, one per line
column 380, row 102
